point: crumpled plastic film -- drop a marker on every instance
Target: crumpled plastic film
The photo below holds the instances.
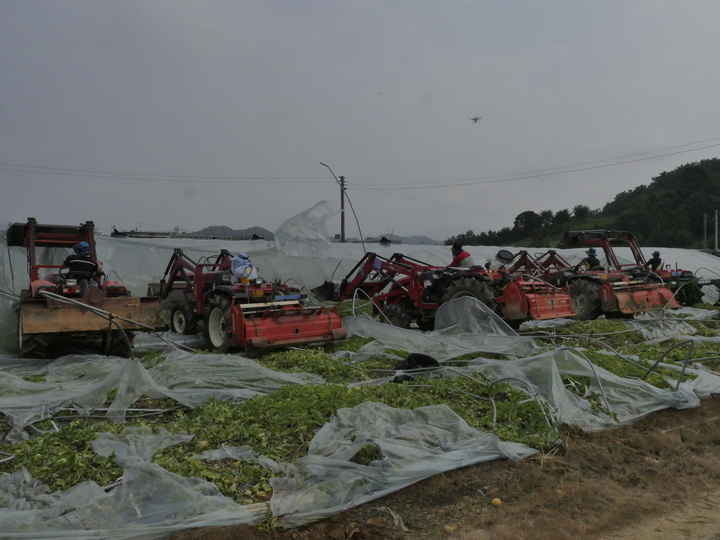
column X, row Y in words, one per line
column 150, row 503
column 655, row 325
column 240, row 453
column 711, row 295
column 413, row 444
column 462, row 326
column 84, row 382
column 306, row 234
column 627, row 399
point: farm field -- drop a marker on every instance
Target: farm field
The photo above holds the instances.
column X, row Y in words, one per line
column 584, row 473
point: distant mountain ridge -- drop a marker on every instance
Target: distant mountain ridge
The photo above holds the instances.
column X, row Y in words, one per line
column 221, row 231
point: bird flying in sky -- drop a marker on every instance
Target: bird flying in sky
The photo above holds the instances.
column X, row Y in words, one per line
column 475, row 119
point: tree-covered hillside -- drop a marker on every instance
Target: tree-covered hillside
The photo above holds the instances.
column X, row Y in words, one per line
column 672, row 211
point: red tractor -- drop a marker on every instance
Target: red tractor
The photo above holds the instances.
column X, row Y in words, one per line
column 620, row 288
column 406, row 290
column 251, row 313
column 56, row 312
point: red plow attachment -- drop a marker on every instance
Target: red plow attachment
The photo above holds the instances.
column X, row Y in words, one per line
column 633, row 297
column 538, row 300
column 283, row 324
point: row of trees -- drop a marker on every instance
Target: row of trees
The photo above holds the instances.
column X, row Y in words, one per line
column 672, row 211
column 527, row 225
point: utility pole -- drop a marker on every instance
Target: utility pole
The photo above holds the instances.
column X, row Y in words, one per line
column 705, row 231
column 716, row 231
column 341, row 183
column 342, row 209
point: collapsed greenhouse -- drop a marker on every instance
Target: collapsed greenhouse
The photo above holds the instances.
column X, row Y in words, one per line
column 547, row 377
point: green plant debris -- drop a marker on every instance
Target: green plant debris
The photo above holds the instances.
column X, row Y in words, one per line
column 282, row 424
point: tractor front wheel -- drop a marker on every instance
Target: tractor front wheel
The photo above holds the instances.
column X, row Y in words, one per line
column 396, row 315
column 217, row 324
column 689, row 294
column 118, row 343
column 585, row 299
column 182, row 320
column 31, row 346
column 469, row 287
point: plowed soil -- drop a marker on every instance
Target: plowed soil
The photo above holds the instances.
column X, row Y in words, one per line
column 658, row 479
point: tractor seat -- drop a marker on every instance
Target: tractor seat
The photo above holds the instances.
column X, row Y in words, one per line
column 80, row 275
column 223, row 278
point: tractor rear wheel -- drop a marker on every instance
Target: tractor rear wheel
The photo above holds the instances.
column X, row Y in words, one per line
column 469, row 287
column 182, row 320
column 585, row 299
column 217, row 324
column 396, row 315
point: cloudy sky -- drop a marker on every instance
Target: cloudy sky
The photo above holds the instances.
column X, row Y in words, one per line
column 165, row 113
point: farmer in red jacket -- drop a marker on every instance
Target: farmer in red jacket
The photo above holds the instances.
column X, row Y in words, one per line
column 462, row 258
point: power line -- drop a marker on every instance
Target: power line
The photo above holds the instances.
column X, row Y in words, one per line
column 537, row 174
column 33, row 169
column 436, row 203
column 389, row 190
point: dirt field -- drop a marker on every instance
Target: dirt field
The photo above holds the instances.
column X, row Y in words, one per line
column 658, row 479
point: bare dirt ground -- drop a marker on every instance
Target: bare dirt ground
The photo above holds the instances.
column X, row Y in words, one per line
column 658, row 479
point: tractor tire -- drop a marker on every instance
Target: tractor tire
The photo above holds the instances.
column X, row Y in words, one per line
column 396, row 315
column 182, row 320
column 117, row 344
column 585, row 299
column 217, row 324
column 689, row 295
column 426, row 324
column 469, row 287
column 31, row 346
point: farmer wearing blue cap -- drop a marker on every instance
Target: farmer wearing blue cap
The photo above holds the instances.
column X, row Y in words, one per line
column 590, row 262
column 655, row 262
column 80, row 265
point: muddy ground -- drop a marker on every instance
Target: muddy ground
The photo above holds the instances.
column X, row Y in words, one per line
column 658, row 479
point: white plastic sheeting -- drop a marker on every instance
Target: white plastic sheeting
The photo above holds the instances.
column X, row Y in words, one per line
column 412, row 444
column 462, row 326
column 540, row 372
column 84, row 383
column 150, row 502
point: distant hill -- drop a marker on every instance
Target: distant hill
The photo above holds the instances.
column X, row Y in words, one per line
column 676, row 209
column 221, row 231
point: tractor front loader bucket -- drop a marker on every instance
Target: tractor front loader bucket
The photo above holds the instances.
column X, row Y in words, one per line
column 534, row 300
column 40, row 316
column 44, row 321
column 628, row 298
column 284, row 324
column 328, row 291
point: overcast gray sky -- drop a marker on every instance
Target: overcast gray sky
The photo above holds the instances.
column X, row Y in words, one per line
column 167, row 113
